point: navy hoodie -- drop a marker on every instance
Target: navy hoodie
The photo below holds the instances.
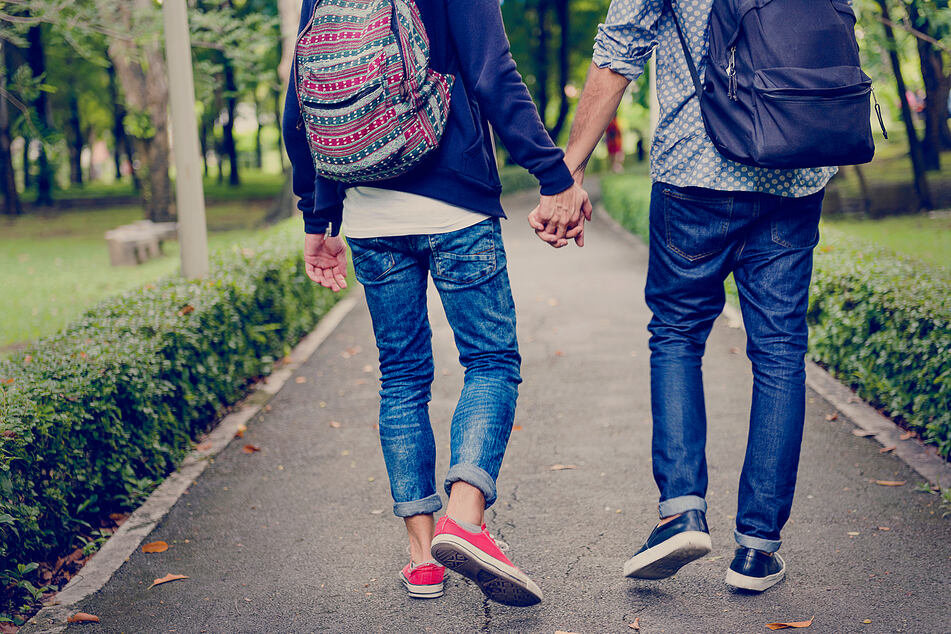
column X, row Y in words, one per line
column 468, row 41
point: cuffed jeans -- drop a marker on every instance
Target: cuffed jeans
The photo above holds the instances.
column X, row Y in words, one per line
column 469, row 270
column 697, row 237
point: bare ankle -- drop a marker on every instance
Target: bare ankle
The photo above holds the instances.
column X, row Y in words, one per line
column 466, row 503
column 420, row 530
column 671, row 518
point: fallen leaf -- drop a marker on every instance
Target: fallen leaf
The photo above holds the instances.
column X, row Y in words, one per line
column 350, row 352
column 636, row 625
column 8, row 434
column 890, row 483
column 28, row 359
column 853, row 533
column 367, row 369
column 186, row 310
column 166, row 579
column 833, row 416
column 205, row 446
column 251, row 448
column 908, row 434
column 783, row 626
column 887, row 449
column 240, row 432
column 334, row 424
column 867, row 621
column 155, row 547
column 884, row 528
column 562, row 467
column 735, row 350
column 119, row 518
column 8, row 628
column 301, row 379
column 862, row 433
column 516, row 428
column 553, row 302
column 82, row 617
column 9, row 381
column 559, row 353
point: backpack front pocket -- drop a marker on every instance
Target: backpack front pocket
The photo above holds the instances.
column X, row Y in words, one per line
column 811, row 117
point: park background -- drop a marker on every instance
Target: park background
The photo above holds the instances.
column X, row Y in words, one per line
column 109, row 375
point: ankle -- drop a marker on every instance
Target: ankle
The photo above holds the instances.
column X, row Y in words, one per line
column 466, row 504
column 670, row 518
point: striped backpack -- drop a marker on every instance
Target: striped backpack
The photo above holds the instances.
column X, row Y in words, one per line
column 371, row 107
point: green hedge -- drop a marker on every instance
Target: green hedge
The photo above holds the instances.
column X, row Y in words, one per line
column 93, row 418
column 880, row 323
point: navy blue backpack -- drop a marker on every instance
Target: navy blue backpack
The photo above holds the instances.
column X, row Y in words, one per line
column 783, row 86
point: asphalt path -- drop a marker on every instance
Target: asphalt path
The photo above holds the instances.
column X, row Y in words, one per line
column 300, row 536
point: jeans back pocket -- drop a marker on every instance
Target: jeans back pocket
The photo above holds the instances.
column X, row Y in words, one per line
column 696, row 222
column 372, row 260
column 468, row 255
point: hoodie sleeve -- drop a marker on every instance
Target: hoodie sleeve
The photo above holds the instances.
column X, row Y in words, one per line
column 321, row 200
column 489, row 72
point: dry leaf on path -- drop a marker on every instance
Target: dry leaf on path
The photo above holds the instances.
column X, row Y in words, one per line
column 516, row 428
column 166, row 579
column 155, row 547
column 862, row 433
column 783, row 626
column 249, row 449
column 908, row 434
column 240, row 431
column 205, row 446
column 334, row 424
column 636, row 625
column 833, row 416
column 884, row 528
column 562, row 467
column 82, row 617
column 890, row 483
column 887, row 449
column 301, row 379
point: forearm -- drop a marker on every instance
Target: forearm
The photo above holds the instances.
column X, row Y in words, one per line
column 598, row 105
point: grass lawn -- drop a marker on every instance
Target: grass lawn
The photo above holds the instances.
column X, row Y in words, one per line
column 919, row 236
column 56, row 266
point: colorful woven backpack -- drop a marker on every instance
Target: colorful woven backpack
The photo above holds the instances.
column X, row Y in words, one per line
column 371, row 106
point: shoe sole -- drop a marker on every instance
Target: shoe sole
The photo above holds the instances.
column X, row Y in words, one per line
column 433, row 591
column 498, row 581
column 754, row 584
column 669, row 556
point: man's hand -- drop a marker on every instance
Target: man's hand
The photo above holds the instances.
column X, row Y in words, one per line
column 325, row 260
column 561, row 217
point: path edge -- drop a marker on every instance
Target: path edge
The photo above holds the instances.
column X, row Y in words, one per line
column 924, row 459
column 127, row 538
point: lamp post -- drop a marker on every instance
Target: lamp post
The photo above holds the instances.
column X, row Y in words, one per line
column 189, row 189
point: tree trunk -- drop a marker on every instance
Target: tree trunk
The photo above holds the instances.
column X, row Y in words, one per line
column 203, row 142
column 936, row 108
column 258, row 147
column 36, row 58
column 76, row 141
column 142, row 73
column 280, row 128
column 917, row 161
column 8, row 181
column 564, row 67
column 541, row 58
column 27, row 175
column 230, row 147
column 290, row 19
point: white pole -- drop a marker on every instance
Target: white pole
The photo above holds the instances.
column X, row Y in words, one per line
column 189, row 189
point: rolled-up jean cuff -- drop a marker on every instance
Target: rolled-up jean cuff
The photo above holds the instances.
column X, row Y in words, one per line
column 682, row 504
column 766, row 545
column 425, row 506
column 476, row 476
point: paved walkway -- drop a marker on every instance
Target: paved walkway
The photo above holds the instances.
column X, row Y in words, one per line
column 300, row 537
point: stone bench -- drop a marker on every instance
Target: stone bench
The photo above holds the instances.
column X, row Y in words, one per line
column 139, row 242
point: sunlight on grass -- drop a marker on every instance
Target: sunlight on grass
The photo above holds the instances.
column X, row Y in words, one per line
column 921, row 236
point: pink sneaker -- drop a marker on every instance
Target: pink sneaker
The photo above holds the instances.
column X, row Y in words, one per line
column 423, row 581
column 478, row 557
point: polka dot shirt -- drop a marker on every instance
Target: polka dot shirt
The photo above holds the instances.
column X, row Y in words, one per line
column 681, row 153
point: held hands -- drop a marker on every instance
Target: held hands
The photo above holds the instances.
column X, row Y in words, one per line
column 325, row 260
column 561, row 217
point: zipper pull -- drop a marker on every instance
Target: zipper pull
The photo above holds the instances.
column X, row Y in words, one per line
column 878, row 112
column 329, row 232
column 731, row 73
column 300, row 121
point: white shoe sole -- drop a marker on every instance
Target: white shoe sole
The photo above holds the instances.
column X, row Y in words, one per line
column 433, row 591
column 497, row 580
column 755, row 584
column 669, row 556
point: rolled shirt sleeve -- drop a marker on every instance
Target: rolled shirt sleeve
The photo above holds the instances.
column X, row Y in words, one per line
column 628, row 36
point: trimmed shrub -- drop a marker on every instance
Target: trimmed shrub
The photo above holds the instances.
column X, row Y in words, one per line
column 91, row 419
column 879, row 322
column 882, row 325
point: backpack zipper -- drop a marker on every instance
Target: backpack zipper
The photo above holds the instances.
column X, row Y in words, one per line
column 300, row 36
column 878, row 112
column 731, row 73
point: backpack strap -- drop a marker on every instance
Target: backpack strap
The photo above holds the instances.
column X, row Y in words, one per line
column 683, row 44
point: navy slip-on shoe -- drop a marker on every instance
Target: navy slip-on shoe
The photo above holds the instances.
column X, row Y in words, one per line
column 755, row 570
column 670, row 547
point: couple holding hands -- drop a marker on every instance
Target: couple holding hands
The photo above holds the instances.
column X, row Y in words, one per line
column 444, row 67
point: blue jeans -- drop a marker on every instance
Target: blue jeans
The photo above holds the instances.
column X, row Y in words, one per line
column 697, row 237
column 469, row 269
